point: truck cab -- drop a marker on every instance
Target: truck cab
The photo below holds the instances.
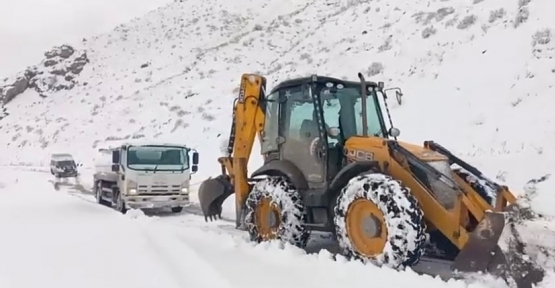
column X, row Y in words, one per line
column 149, row 175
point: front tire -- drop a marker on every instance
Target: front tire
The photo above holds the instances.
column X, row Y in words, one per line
column 120, row 203
column 379, row 220
column 98, row 195
column 275, row 210
column 177, row 209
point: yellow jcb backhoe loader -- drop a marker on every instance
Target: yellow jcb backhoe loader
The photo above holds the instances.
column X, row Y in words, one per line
column 330, row 164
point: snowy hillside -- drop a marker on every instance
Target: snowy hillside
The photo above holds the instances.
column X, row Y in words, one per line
column 477, row 78
column 28, row 28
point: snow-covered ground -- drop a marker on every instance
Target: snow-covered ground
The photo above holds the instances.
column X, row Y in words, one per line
column 477, row 78
column 64, row 239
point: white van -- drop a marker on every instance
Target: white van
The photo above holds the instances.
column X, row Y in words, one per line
column 62, row 165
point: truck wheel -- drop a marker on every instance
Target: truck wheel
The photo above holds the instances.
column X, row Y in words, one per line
column 378, row 220
column 98, row 195
column 120, row 204
column 275, row 210
column 177, row 209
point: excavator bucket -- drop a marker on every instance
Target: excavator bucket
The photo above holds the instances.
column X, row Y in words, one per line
column 212, row 194
column 495, row 247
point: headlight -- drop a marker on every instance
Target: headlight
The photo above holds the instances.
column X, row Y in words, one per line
column 185, row 187
column 131, row 187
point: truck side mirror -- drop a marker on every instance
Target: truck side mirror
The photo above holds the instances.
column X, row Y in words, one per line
column 194, row 168
column 399, row 95
column 115, row 157
column 115, row 167
column 195, row 158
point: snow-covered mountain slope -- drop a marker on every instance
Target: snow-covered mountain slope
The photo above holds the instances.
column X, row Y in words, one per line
column 477, row 76
column 30, row 27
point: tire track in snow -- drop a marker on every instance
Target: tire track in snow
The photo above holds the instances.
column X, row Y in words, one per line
column 188, row 268
column 181, row 260
column 182, row 265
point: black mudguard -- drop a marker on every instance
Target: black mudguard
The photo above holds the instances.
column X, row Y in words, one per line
column 351, row 171
column 283, row 168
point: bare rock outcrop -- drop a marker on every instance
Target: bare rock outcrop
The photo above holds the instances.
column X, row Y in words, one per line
column 58, row 71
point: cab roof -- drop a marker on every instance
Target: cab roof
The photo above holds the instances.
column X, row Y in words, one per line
column 319, row 79
column 116, row 144
column 62, row 157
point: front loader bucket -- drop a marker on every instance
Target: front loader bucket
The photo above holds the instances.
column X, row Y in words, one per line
column 495, row 247
column 212, row 194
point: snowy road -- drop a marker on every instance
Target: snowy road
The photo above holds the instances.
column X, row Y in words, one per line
column 67, row 240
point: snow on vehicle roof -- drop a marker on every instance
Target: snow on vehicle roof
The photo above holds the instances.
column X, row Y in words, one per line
column 112, row 145
column 62, row 157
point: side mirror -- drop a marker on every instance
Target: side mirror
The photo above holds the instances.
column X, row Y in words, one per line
column 195, row 158
column 115, row 167
column 80, row 164
column 394, row 132
column 194, row 169
column 115, row 157
column 398, row 95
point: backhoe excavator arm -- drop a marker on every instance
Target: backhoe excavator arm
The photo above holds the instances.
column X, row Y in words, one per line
column 247, row 121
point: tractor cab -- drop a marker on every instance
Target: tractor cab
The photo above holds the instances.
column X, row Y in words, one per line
column 311, row 118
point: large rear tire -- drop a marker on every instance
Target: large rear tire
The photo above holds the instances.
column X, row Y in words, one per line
column 378, row 220
column 275, row 211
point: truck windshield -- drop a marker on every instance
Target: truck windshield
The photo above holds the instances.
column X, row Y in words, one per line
column 159, row 158
column 66, row 163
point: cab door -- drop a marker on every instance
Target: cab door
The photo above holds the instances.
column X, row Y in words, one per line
column 303, row 134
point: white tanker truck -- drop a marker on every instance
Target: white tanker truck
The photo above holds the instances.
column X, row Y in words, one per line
column 145, row 175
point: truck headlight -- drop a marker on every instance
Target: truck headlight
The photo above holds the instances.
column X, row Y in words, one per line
column 131, row 187
column 184, row 190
